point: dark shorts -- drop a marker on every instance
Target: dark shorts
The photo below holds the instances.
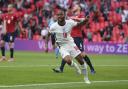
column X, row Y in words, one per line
column 79, row 42
column 9, row 37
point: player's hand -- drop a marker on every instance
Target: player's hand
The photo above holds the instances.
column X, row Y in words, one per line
column 73, row 18
column 77, row 18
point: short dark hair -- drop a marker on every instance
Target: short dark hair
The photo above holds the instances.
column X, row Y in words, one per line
column 61, row 10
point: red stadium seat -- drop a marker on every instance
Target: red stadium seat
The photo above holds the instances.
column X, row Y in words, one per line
column 102, row 25
column 101, row 19
column 32, row 1
column 121, row 39
column 94, row 38
column 117, row 4
column 125, row 27
column 112, row 5
column 99, row 38
column 36, row 37
column 85, row 40
column 97, row 27
column 39, row 4
column 33, row 7
column 106, row 23
column 119, row 18
column 110, row 19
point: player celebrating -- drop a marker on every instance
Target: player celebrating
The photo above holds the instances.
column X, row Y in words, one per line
column 9, row 22
column 76, row 33
column 68, row 49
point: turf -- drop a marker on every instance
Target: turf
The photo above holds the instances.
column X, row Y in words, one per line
column 33, row 70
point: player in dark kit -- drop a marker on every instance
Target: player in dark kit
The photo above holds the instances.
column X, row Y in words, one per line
column 9, row 23
column 76, row 33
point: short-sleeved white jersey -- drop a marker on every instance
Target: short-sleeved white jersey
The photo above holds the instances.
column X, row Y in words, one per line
column 63, row 32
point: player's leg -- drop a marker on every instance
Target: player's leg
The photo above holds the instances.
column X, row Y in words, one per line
column 83, row 64
column 56, row 50
column 76, row 53
column 63, row 62
column 65, row 53
column 2, row 50
column 79, row 42
column 61, row 68
column 62, row 65
column 2, row 43
column 70, row 62
column 11, row 46
column 87, row 59
column 66, row 59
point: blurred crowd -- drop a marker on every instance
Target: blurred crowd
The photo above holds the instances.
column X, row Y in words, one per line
column 108, row 18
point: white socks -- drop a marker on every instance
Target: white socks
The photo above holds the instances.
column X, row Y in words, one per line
column 73, row 64
column 85, row 72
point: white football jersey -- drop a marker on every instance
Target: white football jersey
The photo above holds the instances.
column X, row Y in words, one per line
column 63, row 32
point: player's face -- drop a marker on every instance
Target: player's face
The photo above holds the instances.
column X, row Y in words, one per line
column 10, row 9
column 76, row 10
column 60, row 16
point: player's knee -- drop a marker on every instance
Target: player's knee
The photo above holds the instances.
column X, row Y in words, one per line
column 11, row 45
column 81, row 61
column 79, row 58
column 83, row 54
column 68, row 60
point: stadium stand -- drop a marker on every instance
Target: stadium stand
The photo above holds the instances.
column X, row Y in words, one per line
column 108, row 18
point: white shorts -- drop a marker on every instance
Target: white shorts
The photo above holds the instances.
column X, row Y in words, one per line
column 69, row 49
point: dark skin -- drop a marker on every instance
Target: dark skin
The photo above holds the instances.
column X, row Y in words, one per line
column 62, row 22
column 61, row 19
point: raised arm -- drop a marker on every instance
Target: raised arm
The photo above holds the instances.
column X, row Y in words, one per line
column 81, row 21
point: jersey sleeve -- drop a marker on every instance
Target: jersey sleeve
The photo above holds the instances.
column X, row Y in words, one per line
column 73, row 23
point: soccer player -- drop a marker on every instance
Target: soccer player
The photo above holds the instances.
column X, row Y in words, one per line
column 8, row 35
column 76, row 33
column 68, row 49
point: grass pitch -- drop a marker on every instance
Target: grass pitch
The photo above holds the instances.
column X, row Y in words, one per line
column 33, row 70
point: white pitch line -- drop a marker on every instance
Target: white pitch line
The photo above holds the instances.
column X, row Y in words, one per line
column 58, row 65
column 30, row 66
column 66, row 83
column 112, row 65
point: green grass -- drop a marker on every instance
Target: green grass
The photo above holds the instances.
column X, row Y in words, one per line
column 36, row 68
